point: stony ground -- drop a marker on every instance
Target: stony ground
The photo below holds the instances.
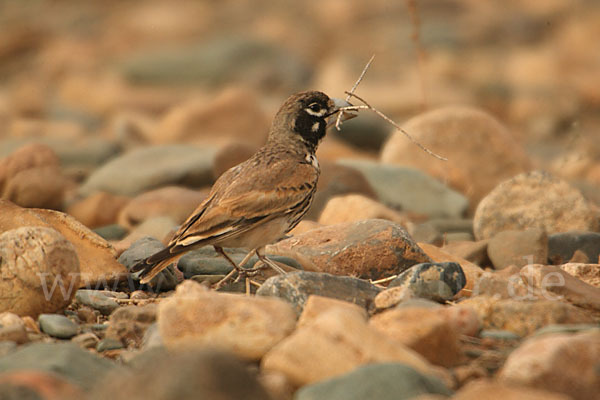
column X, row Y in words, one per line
column 410, row 277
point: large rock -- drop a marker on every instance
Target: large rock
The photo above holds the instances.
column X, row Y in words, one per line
column 370, row 249
column 99, row 209
column 246, row 326
column 433, row 281
column 297, row 287
column 335, row 343
column 563, row 246
column 386, row 381
column 560, row 363
column 410, row 189
column 97, row 258
column 480, row 151
column 29, row 156
column 151, row 167
column 65, row 359
column 424, row 330
column 534, row 200
column 39, row 271
column 233, row 116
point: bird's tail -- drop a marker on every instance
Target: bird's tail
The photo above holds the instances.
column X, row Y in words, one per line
column 152, row 265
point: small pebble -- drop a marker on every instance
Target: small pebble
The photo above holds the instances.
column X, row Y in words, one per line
column 96, row 299
column 57, row 326
column 108, row 344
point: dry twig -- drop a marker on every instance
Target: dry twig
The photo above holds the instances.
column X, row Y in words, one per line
column 338, row 121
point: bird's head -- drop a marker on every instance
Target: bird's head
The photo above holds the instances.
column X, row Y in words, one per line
column 304, row 118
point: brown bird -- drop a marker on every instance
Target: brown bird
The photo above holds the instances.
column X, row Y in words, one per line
column 258, row 201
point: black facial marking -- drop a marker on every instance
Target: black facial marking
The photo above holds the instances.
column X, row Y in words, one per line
column 304, row 123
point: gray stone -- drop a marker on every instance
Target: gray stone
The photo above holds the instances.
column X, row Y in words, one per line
column 151, row 167
column 108, row 344
column 65, row 359
column 369, row 132
column 111, row 232
column 141, row 249
column 498, row 334
column 57, row 326
column 562, row 246
column 97, row 300
column 295, row 287
column 433, row 281
column 224, row 60
column 410, row 189
column 393, row 381
column 7, row 347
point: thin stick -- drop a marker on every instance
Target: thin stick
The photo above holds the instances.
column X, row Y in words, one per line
column 384, row 280
column 338, row 121
column 395, row 125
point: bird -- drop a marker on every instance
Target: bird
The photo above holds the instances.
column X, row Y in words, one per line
column 259, row 201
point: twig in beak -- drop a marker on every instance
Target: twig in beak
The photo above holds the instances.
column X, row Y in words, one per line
column 395, row 125
column 338, row 120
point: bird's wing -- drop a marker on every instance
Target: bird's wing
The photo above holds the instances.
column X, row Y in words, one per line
column 246, row 198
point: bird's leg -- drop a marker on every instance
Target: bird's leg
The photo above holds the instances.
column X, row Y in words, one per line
column 229, row 276
column 269, row 262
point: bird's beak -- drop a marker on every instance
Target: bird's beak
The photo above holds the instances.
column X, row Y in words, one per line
column 346, row 115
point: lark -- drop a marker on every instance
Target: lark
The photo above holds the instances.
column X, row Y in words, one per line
column 260, row 200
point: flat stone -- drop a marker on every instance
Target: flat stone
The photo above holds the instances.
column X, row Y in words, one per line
column 57, row 326
column 518, row 248
column 108, row 344
column 410, row 189
column 434, row 281
column 296, row 287
column 97, row 300
column 376, row 381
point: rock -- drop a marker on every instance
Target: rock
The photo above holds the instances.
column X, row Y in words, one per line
column 87, row 340
column 107, row 344
column 97, row 300
column 129, row 324
column 423, row 330
column 57, row 326
column 172, row 201
column 296, row 287
column 540, row 363
column 471, row 271
column 157, row 227
column 356, row 207
column 557, row 284
column 487, row 389
column 496, row 334
column 219, row 61
column 562, row 246
column 410, row 189
column 393, row 296
column 65, row 359
column 317, row 305
column 111, row 232
column 434, row 281
column 152, row 338
column 12, row 329
column 337, row 180
column 151, row 167
column 185, row 375
column 370, row 249
column 369, row 132
column 475, row 252
column 533, row 200
column 305, row 356
column 589, row 273
column 518, row 248
column 481, row 152
column 233, row 116
column 231, row 155
column 99, row 209
column 40, row 271
column 499, row 286
column 572, row 328
column 377, row 381
column 34, row 385
column 465, row 320
column 141, row 249
column 42, row 187
column 524, row 317
column 246, row 326
column 97, row 258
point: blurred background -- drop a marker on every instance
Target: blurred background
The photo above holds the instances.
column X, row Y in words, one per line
column 95, row 79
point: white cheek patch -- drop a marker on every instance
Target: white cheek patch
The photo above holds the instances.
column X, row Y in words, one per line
column 315, row 126
column 319, row 113
column 312, row 160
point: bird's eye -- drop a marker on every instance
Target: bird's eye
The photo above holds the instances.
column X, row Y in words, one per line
column 315, row 107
